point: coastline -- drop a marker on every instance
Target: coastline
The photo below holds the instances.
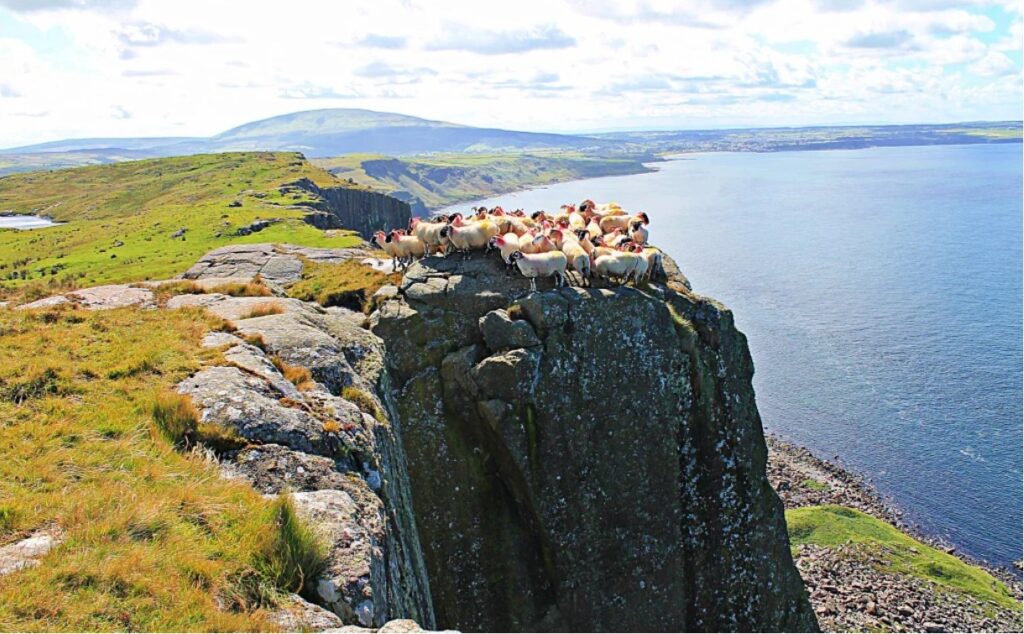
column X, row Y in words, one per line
column 849, row 589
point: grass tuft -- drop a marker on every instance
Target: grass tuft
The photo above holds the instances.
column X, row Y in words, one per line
column 238, row 289
column 38, row 384
column 175, row 416
column 298, row 375
column 364, row 401
column 264, row 309
column 815, row 485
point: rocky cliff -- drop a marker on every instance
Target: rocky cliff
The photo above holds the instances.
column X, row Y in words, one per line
column 358, row 209
column 584, row 459
column 491, row 458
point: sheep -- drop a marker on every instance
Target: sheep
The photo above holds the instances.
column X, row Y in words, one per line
column 534, row 265
column 594, row 229
column 614, row 239
column 385, row 243
column 430, row 234
column 655, row 261
column 579, row 259
column 506, row 246
column 618, row 264
column 609, row 223
column 470, row 236
column 637, row 231
column 408, row 247
column 577, row 220
column 541, row 244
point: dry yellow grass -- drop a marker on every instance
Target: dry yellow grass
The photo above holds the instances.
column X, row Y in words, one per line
column 154, row 539
column 264, row 309
column 298, row 375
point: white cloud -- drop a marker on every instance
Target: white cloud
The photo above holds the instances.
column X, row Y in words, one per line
column 197, row 67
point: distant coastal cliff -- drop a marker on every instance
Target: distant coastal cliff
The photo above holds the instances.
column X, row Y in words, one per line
column 357, row 209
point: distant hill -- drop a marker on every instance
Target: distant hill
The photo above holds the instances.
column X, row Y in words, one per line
column 335, row 132
column 316, row 133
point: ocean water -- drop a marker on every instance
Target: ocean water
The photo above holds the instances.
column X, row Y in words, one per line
column 880, row 290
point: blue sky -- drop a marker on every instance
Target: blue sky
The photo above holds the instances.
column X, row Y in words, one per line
column 82, row 68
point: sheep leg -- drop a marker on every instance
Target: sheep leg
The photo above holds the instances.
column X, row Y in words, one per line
column 533, row 284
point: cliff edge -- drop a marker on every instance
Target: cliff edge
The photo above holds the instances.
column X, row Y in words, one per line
column 584, row 459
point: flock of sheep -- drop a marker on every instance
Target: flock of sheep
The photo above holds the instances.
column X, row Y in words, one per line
column 589, row 241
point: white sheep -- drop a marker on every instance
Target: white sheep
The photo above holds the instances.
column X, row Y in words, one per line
column 655, row 261
column 506, row 246
column 470, row 236
column 610, row 223
column 618, row 264
column 387, row 246
column 430, row 234
column 637, row 231
column 408, row 247
column 534, row 265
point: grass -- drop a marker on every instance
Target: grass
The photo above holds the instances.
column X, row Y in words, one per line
column 836, row 525
column 349, row 283
column 298, row 375
column 120, row 218
column 815, row 485
column 362, row 399
column 264, row 309
column 154, row 538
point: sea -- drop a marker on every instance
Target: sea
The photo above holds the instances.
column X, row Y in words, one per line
column 880, row 290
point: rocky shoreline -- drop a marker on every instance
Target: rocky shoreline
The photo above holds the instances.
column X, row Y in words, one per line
column 848, row 590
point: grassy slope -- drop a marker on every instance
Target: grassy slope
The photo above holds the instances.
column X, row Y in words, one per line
column 141, row 204
column 835, row 525
column 153, row 538
column 444, row 179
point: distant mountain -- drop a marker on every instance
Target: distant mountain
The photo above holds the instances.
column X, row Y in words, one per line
column 316, row 133
column 114, row 143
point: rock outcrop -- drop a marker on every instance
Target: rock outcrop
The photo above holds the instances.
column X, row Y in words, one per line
column 344, row 467
column 584, row 459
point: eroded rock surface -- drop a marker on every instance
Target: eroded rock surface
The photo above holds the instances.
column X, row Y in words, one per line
column 585, row 459
column 344, row 468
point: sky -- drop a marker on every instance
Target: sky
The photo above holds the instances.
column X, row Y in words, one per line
column 96, row 68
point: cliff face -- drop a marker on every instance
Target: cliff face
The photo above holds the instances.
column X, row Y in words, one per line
column 584, row 459
column 356, row 209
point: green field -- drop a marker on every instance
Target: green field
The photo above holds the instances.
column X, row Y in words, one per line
column 120, row 218
column 838, row 525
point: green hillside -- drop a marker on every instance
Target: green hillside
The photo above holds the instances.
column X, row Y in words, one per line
column 121, row 219
column 442, row 179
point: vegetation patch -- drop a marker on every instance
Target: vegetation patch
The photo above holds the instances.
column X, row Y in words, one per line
column 265, row 309
column 364, row 401
column 349, row 283
column 814, row 485
column 298, row 375
column 836, row 525
column 154, row 539
column 150, row 219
